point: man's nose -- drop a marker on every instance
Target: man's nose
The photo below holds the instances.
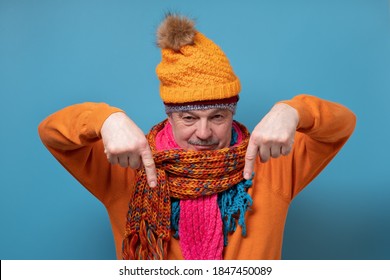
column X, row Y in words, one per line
column 203, row 130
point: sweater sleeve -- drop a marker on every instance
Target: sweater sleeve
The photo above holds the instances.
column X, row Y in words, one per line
column 72, row 135
column 323, row 128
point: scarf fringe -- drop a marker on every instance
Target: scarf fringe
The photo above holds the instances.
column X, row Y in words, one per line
column 144, row 245
column 234, row 203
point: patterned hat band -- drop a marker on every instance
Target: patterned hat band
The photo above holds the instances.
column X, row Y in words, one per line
column 228, row 103
column 183, row 108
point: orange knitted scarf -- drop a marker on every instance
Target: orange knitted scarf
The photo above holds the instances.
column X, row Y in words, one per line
column 180, row 174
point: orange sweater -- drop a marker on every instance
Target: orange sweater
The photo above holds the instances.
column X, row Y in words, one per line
column 72, row 135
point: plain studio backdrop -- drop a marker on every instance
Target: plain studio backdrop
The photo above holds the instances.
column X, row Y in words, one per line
column 54, row 53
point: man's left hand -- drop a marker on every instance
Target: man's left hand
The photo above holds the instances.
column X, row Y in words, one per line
column 272, row 137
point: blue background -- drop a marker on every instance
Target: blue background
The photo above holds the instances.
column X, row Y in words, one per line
column 57, row 53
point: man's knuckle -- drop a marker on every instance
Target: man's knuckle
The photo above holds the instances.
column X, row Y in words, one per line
column 265, row 139
column 113, row 149
column 285, row 139
column 141, row 143
column 250, row 157
column 258, row 137
column 148, row 163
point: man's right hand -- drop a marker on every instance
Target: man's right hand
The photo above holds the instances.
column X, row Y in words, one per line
column 125, row 144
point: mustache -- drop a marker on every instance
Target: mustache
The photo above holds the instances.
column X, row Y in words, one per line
column 198, row 142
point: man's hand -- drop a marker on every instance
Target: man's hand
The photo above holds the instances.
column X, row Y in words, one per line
column 272, row 137
column 125, row 144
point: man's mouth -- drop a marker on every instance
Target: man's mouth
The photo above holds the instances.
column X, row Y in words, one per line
column 203, row 145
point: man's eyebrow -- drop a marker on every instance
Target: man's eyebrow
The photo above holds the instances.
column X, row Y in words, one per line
column 181, row 113
column 219, row 110
column 212, row 112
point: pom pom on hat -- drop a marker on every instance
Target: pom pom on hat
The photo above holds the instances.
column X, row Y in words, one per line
column 175, row 32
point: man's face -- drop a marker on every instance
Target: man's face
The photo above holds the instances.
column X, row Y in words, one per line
column 202, row 130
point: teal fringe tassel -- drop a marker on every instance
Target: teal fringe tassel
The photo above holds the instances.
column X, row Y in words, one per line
column 234, row 202
column 175, row 215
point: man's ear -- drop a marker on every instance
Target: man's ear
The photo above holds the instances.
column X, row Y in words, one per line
column 170, row 118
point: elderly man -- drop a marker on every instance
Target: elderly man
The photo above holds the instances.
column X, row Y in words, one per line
column 198, row 186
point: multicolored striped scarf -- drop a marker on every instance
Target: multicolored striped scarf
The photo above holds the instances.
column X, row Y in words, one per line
column 181, row 175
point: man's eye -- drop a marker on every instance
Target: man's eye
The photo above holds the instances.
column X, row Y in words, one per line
column 188, row 118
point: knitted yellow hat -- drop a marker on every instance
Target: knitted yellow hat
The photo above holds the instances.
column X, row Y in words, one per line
column 193, row 68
